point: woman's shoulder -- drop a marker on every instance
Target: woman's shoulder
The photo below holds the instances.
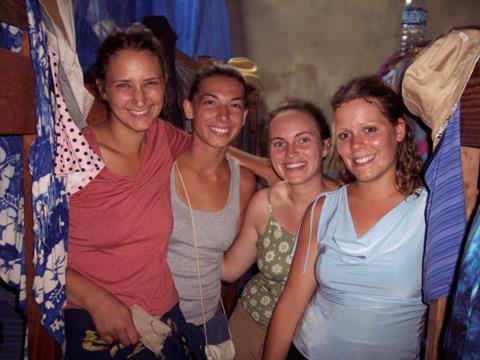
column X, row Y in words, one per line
column 165, row 133
column 419, row 196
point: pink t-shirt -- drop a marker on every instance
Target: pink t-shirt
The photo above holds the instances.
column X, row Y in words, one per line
column 119, row 226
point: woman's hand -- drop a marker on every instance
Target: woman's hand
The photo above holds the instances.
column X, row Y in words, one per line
column 112, row 318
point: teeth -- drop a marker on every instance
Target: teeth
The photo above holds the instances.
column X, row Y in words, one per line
column 139, row 113
column 364, row 159
column 294, row 165
column 219, row 130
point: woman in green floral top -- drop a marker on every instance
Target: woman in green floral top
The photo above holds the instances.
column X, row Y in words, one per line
column 298, row 141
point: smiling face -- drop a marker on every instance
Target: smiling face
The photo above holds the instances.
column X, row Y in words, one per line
column 296, row 147
column 134, row 88
column 366, row 141
column 218, row 111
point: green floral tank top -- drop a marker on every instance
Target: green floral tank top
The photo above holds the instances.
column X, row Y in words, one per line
column 274, row 257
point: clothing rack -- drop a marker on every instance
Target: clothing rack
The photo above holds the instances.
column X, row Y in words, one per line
column 470, row 153
column 17, row 103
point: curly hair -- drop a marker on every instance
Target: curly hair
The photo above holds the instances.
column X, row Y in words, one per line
column 373, row 90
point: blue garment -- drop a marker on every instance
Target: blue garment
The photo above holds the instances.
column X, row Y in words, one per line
column 369, row 301
column 12, row 254
column 446, row 216
column 202, row 27
column 50, row 213
column 463, row 330
column 185, row 342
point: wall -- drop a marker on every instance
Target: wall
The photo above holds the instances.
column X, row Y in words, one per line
column 307, row 48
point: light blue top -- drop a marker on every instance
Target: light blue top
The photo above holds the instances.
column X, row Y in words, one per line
column 369, row 301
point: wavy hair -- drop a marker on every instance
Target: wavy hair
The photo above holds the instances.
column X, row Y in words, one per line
column 373, row 90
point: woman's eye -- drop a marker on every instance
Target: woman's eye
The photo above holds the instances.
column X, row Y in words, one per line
column 123, row 85
column 277, row 144
column 370, row 129
column 208, row 102
column 342, row 136
column 304, row 140
column 153, row 83
column 238, row 106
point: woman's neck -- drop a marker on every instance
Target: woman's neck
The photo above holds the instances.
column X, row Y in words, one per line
column 120, row 139
column 304, row 193
column 370, row 191
column 204, row 159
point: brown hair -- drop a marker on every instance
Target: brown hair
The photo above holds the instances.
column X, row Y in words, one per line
column 305, row 107
column 373, row 90
column 137, row 37
column 216, row 69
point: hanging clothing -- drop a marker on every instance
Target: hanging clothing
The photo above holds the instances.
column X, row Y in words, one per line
column 445, row 213
column 75, row 160
column 49, row 197
column 463, row 326
column 12, row 255
column 70, row 76
column 369, row 301
column 202, row 27
column 393, row 78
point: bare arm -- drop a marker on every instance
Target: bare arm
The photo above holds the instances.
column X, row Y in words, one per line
column 258, row 165
column 243, row 252
column 298, row 291
column 112, row 318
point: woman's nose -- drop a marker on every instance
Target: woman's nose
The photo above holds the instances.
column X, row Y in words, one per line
column 357, row 140
column 223, row 112
column 291, row 150
column 139, row 96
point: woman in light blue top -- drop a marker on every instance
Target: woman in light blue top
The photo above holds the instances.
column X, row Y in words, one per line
column 355, row 293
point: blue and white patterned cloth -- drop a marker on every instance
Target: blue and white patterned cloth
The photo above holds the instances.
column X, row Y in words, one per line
column 445, row 214
column 463, row 330
column 12, row 257
column 50, row 211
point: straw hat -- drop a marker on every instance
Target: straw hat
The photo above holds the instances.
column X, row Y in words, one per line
column 434, row 82
column 249, row 70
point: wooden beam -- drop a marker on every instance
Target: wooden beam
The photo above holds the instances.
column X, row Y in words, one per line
column 14, row 12
column 17, row 94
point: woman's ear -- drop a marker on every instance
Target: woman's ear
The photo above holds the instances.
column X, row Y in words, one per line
column 188, row 109
column 101, row 89
column 400, row 129
column 245, row 114
column 326, row 148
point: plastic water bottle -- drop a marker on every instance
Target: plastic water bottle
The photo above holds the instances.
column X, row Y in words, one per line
column 414, row 23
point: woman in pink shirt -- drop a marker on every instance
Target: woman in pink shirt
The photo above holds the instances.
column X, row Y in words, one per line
column 121, row 221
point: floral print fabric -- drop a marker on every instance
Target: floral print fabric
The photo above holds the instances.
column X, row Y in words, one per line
column 50, row 213
column 12, row 259
column 274, row 258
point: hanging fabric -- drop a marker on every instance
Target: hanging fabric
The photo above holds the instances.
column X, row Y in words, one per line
column 49, row 197
column 12, row 252
column 202, row 27
column 432, row 87
column 445, row 213
column 463, row 327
